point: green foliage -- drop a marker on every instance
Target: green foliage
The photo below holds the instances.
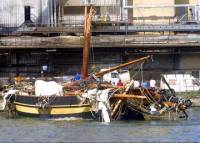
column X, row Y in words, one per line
column 188, row 94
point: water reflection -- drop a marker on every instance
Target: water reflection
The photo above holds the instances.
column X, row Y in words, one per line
column 70, row 130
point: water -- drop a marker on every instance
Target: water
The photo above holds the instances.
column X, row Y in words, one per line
column 70, row 130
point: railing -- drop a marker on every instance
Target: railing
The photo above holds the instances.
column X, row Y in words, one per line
column 73, row 20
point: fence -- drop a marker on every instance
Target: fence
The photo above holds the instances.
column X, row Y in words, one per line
column 181, row 83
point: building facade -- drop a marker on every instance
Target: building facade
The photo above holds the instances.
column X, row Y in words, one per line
column 161, row 11
column 73, row 10
column 55, row 12
column 25, row 55
column 36, row 12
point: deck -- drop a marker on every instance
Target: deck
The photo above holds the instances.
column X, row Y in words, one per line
column 100, row 29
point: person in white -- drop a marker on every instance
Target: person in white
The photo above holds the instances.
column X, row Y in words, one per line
column 136, row 83
column 152, row 83
column 133, row 82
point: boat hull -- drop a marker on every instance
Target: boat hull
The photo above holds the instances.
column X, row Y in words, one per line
column 165, row 116
column 60, row 106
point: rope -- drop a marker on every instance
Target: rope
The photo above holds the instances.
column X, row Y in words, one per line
column 149, row 94
column 117, row 115
column 92, row 53
column 92, row 114
column 43, row 101
column 142, row 71
column 93, row 57
column 138, row 104
column 51, row 101
column 138, row 110
column 142, row 91
column 139, row 69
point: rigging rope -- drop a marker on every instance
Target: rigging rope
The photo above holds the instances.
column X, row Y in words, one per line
column 93, row 67
column 141, row 68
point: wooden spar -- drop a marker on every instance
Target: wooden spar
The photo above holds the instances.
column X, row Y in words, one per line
column 73, row 93
column 169, row 104
column 164, row 80
column 87, row 35
column 121, row 96
column 99, row 74
column 71, row 86
column 129, row 96
column 120, row 100
column 85, row 47
column 105, row 85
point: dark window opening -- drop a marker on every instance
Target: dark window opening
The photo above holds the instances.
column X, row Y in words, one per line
column 27, row 13
column 195, row 74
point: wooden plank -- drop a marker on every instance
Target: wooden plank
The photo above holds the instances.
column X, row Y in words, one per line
column 129, row 96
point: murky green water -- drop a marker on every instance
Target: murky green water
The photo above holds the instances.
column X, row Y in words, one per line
column 40, row 130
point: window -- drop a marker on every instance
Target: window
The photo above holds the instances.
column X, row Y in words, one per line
column 27, row 13
column 114, row 75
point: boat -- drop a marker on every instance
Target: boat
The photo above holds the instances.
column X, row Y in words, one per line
column 50, row 107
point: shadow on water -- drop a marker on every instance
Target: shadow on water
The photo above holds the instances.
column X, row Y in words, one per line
column 24, row 129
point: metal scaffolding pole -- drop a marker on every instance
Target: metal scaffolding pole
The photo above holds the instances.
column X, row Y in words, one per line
column 158, row 6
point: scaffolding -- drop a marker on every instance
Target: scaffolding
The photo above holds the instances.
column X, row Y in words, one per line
column 112, row 17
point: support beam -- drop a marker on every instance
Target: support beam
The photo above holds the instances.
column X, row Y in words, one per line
column 158, row 6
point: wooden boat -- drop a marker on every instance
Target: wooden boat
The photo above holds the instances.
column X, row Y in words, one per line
column 56, row 106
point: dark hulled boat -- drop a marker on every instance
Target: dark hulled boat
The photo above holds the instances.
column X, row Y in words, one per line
column 54, row 106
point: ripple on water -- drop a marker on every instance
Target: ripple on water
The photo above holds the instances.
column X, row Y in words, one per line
column 73, row 130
